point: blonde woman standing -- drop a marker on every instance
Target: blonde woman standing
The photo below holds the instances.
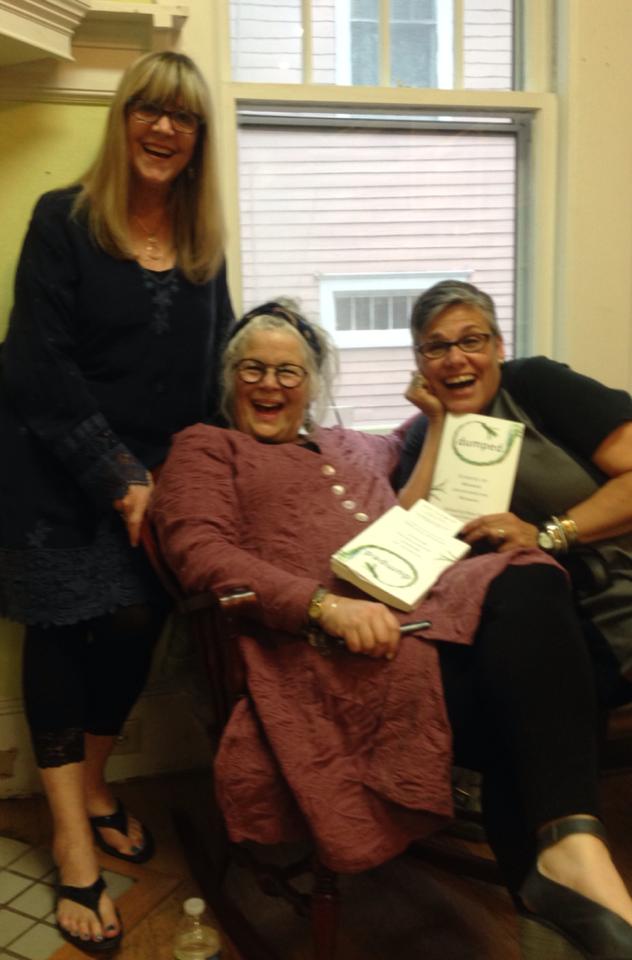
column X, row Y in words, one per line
column 121, row 305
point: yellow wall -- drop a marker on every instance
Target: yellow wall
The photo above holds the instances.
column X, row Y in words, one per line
column 594, row 243
column 44, row 146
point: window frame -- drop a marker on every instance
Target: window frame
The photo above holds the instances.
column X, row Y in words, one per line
column 445, row 43
column 537, row 197
column 520, row 123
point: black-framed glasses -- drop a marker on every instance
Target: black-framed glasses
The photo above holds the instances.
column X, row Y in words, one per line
column 182, row 121
column 470, row 343
column 286, row 374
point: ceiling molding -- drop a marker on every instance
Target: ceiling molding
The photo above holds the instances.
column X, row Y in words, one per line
column 31, row 29
column 106, row 38
column 164, row 14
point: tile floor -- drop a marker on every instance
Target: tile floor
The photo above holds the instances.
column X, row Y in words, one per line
column 27, row 901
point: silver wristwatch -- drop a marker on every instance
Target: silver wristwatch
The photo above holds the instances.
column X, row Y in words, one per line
column 545, row 541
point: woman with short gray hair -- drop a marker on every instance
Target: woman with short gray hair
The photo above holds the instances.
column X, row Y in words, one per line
column 515, row 712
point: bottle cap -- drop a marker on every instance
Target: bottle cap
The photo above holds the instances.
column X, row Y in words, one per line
column 194, row 906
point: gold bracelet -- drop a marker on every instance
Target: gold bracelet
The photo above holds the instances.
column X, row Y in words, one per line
column 315, row 608
column 570, row 529
column 555, row 524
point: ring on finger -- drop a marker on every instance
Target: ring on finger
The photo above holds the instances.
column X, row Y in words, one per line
column 500, row 534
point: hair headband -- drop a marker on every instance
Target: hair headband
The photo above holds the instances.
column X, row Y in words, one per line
column 275, row 309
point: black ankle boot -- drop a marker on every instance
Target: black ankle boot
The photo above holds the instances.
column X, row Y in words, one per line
column 560, row 924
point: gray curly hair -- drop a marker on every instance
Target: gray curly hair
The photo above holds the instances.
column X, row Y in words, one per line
column 319, row 353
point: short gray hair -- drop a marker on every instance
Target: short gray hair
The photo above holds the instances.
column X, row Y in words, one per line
column 448, row 293
column 319, row 353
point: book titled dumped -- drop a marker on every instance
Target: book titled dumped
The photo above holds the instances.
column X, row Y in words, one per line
column 476, row 465
column 399, row 557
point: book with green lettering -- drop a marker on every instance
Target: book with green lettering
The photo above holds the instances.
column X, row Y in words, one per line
column 400, row 556
column 476, row 465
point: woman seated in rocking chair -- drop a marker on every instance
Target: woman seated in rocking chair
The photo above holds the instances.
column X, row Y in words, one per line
column 354, row 749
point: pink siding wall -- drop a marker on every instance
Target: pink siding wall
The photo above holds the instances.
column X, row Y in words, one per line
column 358, row 201
column 487, row 42
column 323, row 41
column 266, row 40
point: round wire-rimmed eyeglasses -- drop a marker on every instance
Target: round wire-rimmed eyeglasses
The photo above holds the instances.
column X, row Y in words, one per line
column 286, row 374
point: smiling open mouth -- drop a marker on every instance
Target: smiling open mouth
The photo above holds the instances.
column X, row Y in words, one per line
column 162, row 152
column 454, row 383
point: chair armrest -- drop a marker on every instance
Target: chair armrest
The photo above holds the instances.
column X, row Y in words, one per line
column 238, row 603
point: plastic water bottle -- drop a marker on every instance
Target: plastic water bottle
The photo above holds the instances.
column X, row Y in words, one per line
column 195, row 938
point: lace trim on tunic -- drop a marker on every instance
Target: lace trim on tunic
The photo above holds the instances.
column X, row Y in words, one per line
column 65, row 585
column 55, row 748
column 101, row 463
column 163, row 288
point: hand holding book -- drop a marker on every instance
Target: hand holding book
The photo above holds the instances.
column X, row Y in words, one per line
column 476, row 465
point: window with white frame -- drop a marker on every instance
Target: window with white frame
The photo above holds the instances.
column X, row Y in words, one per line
column 441, row 44
column 352, row 213
column 373, row 310
column 355, row 203
column 420, row 42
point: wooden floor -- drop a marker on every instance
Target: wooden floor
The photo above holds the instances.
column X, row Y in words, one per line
column 405, row 910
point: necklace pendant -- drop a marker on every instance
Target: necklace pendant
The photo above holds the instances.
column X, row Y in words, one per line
column 152, row 250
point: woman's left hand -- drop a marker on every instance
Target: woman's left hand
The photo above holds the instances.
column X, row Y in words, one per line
column 505, row 531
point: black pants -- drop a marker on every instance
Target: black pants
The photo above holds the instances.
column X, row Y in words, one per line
column 85, row 678
column 523, row 706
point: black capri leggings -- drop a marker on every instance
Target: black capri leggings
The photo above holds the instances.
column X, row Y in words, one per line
column 523, row 709
column 85, row 678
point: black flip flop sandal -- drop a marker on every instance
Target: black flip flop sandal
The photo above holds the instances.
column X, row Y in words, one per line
column 118, row 821
column 88, row 897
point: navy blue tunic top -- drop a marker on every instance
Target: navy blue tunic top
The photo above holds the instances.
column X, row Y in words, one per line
column 103, row 361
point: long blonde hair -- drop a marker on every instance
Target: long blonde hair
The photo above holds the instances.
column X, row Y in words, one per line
column 164, row 77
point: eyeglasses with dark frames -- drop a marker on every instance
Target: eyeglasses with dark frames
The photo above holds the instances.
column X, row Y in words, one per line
column 182, row 121
column 287, row 375
column 470, row 343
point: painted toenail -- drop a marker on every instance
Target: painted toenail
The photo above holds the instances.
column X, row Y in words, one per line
column 136, row 849
column 110, row 927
